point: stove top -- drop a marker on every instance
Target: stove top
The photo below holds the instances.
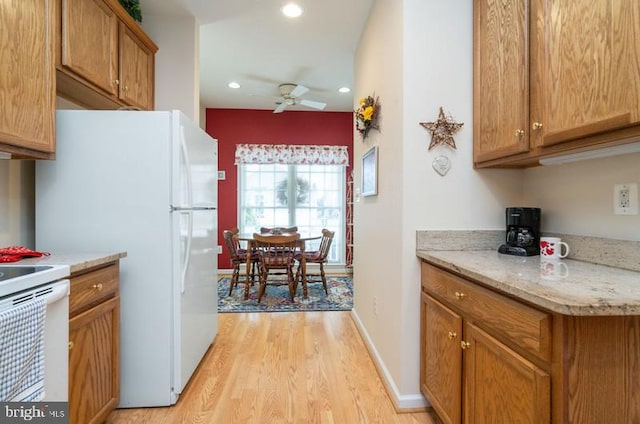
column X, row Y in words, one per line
column 9, row 272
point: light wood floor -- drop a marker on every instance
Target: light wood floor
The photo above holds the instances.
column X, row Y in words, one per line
column 289, row 367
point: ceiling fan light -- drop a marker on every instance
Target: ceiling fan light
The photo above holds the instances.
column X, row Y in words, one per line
column 291, row 10
column 344, row 89
column 233, row 84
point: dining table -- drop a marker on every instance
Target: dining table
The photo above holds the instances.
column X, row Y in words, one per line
column 248, row 238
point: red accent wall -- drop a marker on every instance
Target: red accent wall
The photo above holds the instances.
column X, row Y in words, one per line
column 247, row 126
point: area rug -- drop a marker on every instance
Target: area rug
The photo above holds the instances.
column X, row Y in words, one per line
column 276, row 298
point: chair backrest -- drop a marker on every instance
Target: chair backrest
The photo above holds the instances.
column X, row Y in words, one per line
column 276, row 251
column 232, row 243
column 325, row 244
column 278, row 230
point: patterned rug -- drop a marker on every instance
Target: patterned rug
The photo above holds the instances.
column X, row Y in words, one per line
column 276, row 298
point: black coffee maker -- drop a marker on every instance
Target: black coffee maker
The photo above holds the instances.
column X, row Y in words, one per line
column 523, row 232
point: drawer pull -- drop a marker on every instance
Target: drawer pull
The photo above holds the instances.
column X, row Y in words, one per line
column 536, row 126
column 519, row 133
column 451, row 335
column 97, row 287
column 465, row 345
column 460, row 295
column 70, row 345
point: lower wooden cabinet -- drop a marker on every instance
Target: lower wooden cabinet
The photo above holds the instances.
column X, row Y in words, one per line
column 486, row 357
column 441, row 371
column 500, row 386
column 94, row 348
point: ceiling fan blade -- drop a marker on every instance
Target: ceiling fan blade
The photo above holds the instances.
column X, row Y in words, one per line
column 312, row 104
column 280, row 107
column 299, row 91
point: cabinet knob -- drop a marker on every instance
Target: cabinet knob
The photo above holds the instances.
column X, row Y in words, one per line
column 465, row 345
column 97, row 287
column 536, row 126
column 460, row 295
column 70, row 345
column 116, row 82
column 519, row 133
column 452, row 335
column 126, row 88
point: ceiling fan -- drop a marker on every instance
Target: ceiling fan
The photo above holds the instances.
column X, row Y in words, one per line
column 290, row 94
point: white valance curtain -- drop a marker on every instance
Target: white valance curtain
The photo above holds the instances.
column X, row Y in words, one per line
column 288, row 154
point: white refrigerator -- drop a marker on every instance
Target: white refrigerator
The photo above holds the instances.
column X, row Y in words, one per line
column 145, row 183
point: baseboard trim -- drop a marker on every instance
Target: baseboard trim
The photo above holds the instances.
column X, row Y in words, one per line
column 401, row 403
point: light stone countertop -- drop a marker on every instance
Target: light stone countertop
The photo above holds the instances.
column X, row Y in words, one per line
column 76, row 261
column 586, row 289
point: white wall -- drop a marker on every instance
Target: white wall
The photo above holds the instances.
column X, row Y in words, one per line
column 377, row 220
column 17, row 200
column 177, row 63
column 417, row 56
column 577, row 198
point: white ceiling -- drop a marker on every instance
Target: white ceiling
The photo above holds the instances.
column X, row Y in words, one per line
column 252, row 43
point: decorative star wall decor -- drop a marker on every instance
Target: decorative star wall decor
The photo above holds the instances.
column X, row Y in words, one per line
column 442, row 130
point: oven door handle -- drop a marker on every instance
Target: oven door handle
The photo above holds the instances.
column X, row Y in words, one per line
column 57, row 293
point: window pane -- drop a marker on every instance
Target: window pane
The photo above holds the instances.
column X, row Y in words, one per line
column 311, row 197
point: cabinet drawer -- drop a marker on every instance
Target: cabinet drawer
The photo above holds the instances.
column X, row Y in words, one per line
column 527, row 327
column 93, row 287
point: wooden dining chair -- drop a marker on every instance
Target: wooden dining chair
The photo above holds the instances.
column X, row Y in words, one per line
column 317, row 257
column 278, row 230
column 276, row 256
column 238, row 257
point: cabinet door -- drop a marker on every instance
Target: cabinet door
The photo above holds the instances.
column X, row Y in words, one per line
column 585, row 68
column 441, row 359
column 89, row 37
column 27, row 76
column 136, row 71
column 94, row 380
column 501, row 79
column 500, row 385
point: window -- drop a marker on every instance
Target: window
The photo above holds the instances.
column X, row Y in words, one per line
column 311, row 197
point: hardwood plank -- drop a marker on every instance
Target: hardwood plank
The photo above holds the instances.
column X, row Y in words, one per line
column 285, row 367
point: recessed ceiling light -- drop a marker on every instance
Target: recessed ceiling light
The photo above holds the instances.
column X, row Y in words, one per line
column 233, row 84
column 291, row 10
column 344, row 89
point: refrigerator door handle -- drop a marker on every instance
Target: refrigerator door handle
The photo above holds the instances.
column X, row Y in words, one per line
column 187, row 166
column 187, row 252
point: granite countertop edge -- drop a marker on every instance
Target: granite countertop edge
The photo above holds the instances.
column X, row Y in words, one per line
column 77, row 262
column 588, row 290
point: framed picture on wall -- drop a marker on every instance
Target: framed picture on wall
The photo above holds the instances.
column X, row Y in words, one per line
column 369, row 185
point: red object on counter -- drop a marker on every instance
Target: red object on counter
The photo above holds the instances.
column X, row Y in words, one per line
column 16, row 253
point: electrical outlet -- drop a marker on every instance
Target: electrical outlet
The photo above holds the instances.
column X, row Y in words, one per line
column 219, row 249
column 625, row 199
column 375, row 306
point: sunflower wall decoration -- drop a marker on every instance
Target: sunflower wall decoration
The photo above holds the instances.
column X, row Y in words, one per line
column 367, row 115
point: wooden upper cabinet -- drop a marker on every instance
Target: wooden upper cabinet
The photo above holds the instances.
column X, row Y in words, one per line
column 89, row 42
column 136, row 70
column 501, row 79
column 585, row 68
column 27, row 78
column 554, row 77
column 105, row 59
